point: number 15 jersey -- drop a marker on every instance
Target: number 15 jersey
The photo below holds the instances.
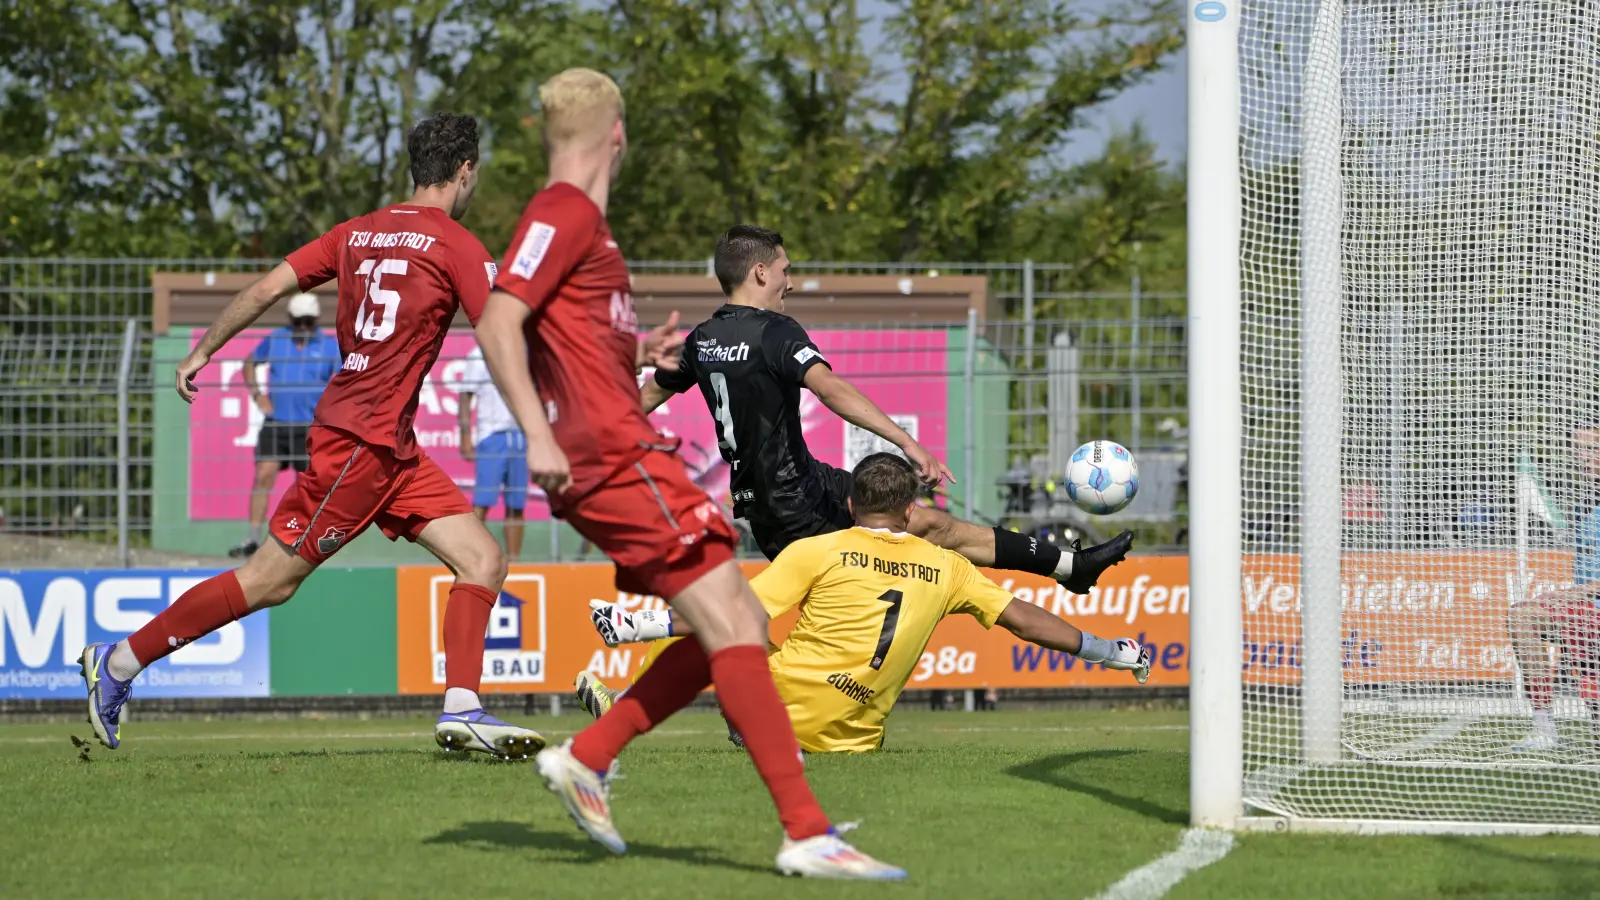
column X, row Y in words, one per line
column 869, row 601
column 403, row 271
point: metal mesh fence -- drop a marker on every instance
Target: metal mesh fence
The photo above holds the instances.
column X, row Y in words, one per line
column 1003, row 403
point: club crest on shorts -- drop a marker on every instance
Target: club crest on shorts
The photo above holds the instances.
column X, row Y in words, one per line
column 330, row 540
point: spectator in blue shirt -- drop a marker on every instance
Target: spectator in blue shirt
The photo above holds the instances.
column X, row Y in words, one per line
column 300, row 360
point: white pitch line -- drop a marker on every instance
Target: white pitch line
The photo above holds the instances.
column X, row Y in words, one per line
column 1197, row 848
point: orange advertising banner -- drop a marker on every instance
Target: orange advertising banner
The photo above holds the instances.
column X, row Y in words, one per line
column 1407, row 617
column 1427, row 616
column 540, row 638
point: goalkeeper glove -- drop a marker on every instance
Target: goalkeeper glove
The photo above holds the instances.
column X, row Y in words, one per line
column 617, row 626
column 1130, row 657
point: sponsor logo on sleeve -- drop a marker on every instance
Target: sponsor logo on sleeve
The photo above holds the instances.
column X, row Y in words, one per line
column 805, row 355
column 535, row 244
column 491, row 270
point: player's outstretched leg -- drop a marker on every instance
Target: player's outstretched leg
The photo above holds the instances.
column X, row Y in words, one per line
column 730, row 622
column 579, row 771
column 466, row 546
column 1074, row 568
column 1087, row 565
column 268, row 578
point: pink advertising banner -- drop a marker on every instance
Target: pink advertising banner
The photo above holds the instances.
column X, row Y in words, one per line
column 903, row 371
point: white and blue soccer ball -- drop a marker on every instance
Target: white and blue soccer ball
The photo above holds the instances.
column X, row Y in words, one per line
column 1102, row 477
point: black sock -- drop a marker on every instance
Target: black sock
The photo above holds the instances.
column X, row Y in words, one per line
column 1024, row 554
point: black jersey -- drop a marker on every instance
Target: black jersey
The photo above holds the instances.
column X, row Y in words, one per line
column 749, row 364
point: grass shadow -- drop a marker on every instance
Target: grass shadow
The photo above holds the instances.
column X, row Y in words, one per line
column 1574, row 877
column 1057, row 771
column 522, row 836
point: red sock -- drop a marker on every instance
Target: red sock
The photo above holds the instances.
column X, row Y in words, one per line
column 466, row 619
column 751, row 704
column 672, row 682
column 201, row 610
column 1539, row 689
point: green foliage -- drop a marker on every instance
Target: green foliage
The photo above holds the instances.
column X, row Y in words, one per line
column 931, row 129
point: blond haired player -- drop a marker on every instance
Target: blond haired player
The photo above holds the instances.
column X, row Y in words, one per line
column 870, row 597
column 560, row 336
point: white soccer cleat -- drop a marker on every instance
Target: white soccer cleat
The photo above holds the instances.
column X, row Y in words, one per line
column 477, row 730
column 830, row 856
column 585, row 793
column 1131, row 657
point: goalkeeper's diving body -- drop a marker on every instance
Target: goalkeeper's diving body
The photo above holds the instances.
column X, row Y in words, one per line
column 869, row 597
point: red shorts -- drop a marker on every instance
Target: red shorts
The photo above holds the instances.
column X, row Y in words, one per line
column 661, row 530
column 351, row 484
column 1576, row 628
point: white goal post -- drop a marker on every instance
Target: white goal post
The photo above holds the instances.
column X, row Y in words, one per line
column 1394, row 339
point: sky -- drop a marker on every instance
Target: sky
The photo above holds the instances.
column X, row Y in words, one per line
column 1160, row 103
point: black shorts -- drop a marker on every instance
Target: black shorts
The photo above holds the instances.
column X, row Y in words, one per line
column 283, row 443
column 829, row 513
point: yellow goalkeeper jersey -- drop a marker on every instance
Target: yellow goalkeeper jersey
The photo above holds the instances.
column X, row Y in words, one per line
column 869, row 601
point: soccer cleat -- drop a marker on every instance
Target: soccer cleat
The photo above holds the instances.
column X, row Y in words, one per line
column 830, row 856
column 1088, row 564
column 584, row 792
column 477, row 730
column 593, row 695
column 246, row 549
column 107, row 695
column 1130, row 657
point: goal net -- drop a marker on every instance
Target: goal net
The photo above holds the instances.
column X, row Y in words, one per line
column 1420, row 288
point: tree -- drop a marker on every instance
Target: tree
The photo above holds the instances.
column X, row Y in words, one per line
column 179, row 127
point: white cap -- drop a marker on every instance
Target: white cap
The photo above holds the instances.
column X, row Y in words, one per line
column 304, row 305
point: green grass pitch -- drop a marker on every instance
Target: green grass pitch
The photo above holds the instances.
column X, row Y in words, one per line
column 1009, row 804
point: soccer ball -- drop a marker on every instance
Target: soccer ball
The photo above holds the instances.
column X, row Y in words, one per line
column 1102, row 477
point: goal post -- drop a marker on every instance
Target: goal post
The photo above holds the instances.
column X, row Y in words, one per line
column 1215, row 491
column 1394, row 339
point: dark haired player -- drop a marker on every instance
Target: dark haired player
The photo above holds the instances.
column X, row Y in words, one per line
column 750, row 362
column 403, row 271
column 870, row 597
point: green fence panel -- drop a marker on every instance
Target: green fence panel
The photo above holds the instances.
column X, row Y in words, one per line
column 337, row 636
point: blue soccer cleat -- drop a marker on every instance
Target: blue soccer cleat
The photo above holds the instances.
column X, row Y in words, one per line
column 479, row 731
column 107, row 695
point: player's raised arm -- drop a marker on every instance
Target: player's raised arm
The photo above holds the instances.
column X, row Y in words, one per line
column 245, row 307
column 854, row 407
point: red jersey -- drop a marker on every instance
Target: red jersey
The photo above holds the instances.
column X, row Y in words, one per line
column 582, row 336
column 402, row 271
